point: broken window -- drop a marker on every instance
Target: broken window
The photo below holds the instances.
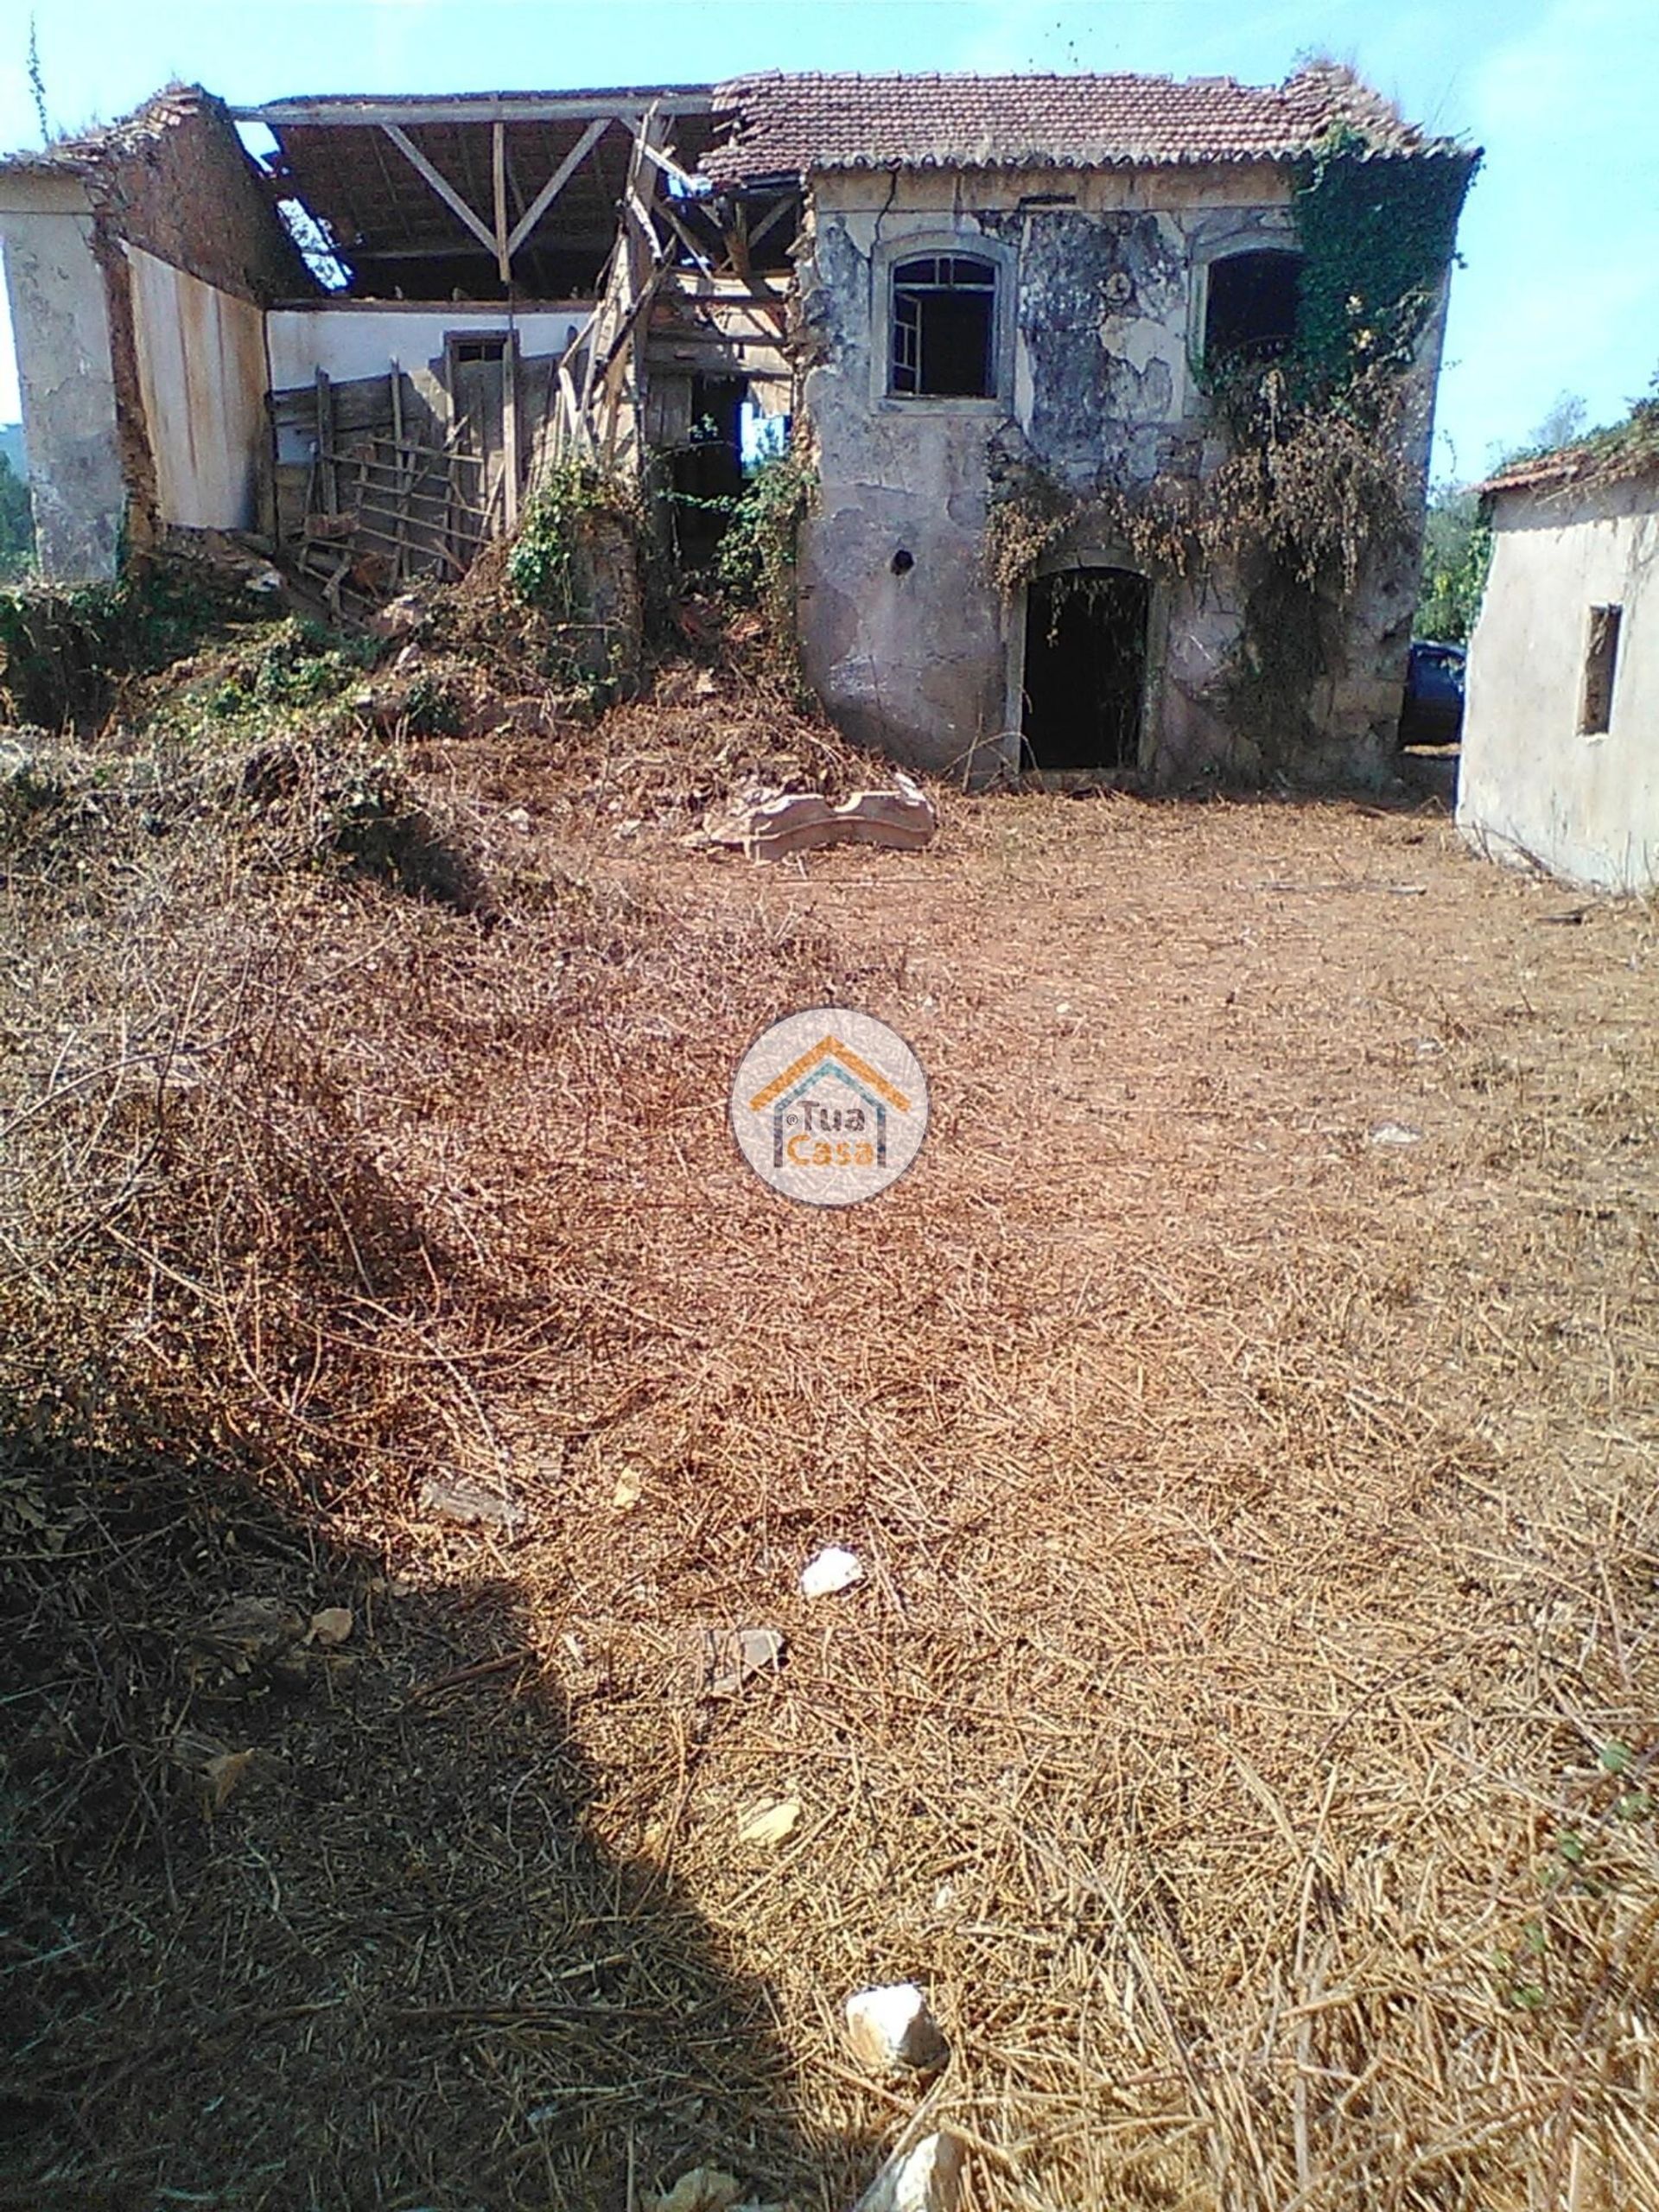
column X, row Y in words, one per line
column 1250, row 304
column 944, row 326
column 1600, row 665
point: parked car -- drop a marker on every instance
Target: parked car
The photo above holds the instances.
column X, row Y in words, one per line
column 1433, row 713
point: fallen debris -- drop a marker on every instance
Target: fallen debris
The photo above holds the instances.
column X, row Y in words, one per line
column 246, row 1646
column 630, row 1486
column 1396, row 1133
column 777, row 828
column 733, row 1659
column 926, row 2178
column 214, row 1770
column 705, row 2188
column 833, row 1569
column 769, row 1823
column 892, row 2030
column 473, row 1505
column 331, row 1627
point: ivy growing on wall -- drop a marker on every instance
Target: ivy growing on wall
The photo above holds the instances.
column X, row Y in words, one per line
column 1375, row 230
column 1318, row 478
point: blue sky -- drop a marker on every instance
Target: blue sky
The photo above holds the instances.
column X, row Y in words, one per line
column 1560, row 237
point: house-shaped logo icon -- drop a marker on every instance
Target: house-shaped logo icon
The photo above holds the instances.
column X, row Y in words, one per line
column 831, row 1070
column 829, row 1107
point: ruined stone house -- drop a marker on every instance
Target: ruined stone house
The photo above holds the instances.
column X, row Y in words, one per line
column 358, row 326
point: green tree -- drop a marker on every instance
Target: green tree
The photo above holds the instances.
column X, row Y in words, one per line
column 1458, row 539
column 1457, row 546
column 16, row 526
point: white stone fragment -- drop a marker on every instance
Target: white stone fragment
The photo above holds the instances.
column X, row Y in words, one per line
column 927, row 2178
column 1396, row 1133
column 891, row 2031
column 833, row 1569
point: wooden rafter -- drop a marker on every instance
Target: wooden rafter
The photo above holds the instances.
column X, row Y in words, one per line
column 439, row 184
column 556, row 184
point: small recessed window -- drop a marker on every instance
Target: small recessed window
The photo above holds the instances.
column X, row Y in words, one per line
column 1600, row 667
column 944, row 327
column 1250, row 304
column 479, row 349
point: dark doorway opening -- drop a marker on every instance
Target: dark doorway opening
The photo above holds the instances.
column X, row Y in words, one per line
column 1085, row 668
column 707, row 474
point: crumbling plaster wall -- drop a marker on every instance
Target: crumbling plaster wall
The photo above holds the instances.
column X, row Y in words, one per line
column 62, row 336
column 1097, row 388
column 1531, row 786
column 200, row 358
column 138, row 262
column 175, row 183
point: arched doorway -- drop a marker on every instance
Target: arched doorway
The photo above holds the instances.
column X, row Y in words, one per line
column 1085, row 668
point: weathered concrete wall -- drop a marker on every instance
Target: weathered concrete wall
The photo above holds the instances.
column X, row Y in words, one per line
column 1531, row 787
column 62, row 336
column 200, row 360
column 165, row 201
column 1103, row 319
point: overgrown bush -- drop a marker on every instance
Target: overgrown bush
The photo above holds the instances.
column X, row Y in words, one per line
column 756, row 562
column 575, row 563
column 63, row 649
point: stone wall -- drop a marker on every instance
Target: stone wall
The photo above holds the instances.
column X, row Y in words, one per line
column 1102, row 295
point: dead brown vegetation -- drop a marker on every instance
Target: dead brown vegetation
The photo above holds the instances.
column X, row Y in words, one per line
column 1247, row 1726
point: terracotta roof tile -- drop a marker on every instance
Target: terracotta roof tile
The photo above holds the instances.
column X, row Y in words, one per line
column 783, row 124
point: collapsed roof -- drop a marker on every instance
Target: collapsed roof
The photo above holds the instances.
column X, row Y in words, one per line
column 540, row 173
column 438, row 194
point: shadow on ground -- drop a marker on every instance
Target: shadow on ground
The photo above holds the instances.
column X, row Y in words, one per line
column 391, row 1968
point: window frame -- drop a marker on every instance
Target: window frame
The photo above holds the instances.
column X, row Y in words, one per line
column 1224, row 236
column 907, row 332
column 888, row 258
column 1599, row 677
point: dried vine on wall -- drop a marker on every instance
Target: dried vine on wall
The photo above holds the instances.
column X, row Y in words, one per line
column 1317, row 477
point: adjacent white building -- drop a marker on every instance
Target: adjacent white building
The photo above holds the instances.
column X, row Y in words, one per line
column 1560, row 737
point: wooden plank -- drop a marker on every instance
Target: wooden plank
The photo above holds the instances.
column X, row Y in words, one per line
column 696, row 188
column 325, row 442
column 556, row 184
column 626, row 105
column 439, row 184
column 665, row 208
column 510, row 431
column 498, row 190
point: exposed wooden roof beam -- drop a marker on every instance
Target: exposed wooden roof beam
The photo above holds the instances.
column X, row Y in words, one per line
column 696, row 186
column 439, row 184
column 628, row 104
column 499, row 192
column 556, row 184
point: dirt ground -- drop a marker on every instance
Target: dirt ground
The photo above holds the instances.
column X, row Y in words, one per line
column 1245, row 1411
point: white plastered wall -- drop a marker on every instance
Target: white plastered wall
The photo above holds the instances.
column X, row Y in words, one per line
column 201, row 374
column 1532, row 785
column 347, row 339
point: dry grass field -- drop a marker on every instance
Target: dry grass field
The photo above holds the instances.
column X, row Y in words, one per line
column 1246, row 1412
